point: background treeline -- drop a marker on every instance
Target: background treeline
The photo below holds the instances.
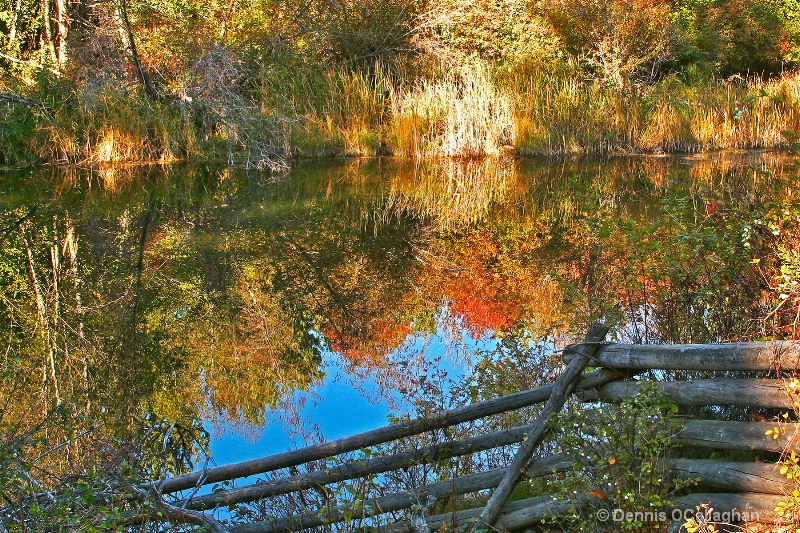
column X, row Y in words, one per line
column 259, row 81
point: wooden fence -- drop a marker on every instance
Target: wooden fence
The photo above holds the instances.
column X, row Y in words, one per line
column 752, row 489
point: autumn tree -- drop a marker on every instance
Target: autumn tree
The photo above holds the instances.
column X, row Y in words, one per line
column 39, row 33
column 624, row 40
column 735, row 36
column 496, row 30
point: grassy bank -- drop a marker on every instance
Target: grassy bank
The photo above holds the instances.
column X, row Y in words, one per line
column 470, row 111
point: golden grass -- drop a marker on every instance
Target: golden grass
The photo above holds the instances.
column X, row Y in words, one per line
column 119, row 127
column 467, row 113
column 563, row 114
column 462, row 115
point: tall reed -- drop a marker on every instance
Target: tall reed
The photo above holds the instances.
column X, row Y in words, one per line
column 464, row 114
column 561, row 113
column 338, row 112
column 471, row 111
column 106, row 125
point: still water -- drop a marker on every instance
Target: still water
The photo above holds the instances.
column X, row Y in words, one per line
column 276, row 311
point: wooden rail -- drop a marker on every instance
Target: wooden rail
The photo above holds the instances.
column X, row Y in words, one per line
column 369, row 438
column 753, row 393
column 733, row 357
column 461, row 485
column 749, row 486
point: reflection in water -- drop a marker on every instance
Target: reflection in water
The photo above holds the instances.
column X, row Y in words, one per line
column 198, row 295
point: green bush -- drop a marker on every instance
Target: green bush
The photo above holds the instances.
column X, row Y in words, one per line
column 619, row 452
column 729, row 37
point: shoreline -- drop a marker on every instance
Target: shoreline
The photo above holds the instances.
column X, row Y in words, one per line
column 721, row 155
column 536, row 114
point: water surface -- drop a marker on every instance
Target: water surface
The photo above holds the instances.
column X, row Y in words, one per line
column 276, row 311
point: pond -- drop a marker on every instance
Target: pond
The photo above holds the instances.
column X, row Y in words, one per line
column 155, row 304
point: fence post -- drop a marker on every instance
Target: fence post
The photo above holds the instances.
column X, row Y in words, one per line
column 562, row 389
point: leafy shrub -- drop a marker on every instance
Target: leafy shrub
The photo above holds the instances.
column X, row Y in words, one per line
column 624, row 40
column 619, row 453
column 732, row 36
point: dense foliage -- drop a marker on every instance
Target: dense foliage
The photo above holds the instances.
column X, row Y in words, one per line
column 258, row 81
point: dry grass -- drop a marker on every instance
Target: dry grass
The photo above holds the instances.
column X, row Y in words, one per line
column 559, row 114
column 470, row 112
column 462, row 115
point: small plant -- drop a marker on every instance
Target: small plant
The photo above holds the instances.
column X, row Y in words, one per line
column 703, row 522
column 620, row 452
column 788, row 510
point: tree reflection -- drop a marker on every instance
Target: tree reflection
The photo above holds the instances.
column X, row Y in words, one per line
column 194, row 295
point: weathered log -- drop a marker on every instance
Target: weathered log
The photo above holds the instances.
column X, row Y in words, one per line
column 746, row 436
column 358, row 468
column 564, row 386
column 734, row 476
column 741, row 356
column 396, row 502
column 729, row 507
column 370, row 438
column 516, row 515
column 721, row 391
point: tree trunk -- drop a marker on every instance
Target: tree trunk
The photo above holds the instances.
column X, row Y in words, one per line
column 62, row 30
column 71, row 251
column 129, row 43
column 42, row 315
column 48, row 32
column 223, row 32
column 12, row 34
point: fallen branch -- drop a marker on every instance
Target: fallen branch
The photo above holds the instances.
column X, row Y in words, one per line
column 14, row 98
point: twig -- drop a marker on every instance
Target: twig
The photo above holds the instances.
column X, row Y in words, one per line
column 13, row 98
column 66, row 442
column 172, row 513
